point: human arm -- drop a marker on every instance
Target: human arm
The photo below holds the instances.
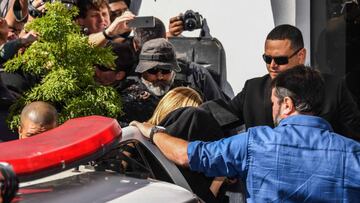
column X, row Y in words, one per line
column 225, row 157
column 36, row 8
column 166, row 144
column 349, row 112
column 236, row 104
column 216, row 185
column 176, row 26
column 117, row 27
column 28, row 38
column 10, row 48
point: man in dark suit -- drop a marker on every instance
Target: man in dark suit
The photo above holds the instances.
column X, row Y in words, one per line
column 284, row 49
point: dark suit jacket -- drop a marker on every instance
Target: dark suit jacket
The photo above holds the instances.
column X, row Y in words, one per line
column 252, row 106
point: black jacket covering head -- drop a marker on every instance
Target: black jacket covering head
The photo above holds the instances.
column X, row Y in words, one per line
column 187, row 123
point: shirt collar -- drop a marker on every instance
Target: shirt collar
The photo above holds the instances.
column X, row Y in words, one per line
column 306, row 120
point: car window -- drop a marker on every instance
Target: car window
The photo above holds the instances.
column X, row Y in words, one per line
column 132, row 158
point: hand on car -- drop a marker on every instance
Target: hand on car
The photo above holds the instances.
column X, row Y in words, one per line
column 176, row 26
column 119, row 25
column 145, row 128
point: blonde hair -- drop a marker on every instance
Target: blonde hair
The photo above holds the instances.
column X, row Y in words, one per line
column 174, row 99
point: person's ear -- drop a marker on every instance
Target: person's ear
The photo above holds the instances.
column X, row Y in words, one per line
column 20, row 130
column 302, row 56
column 81, row 23
column 120, row 75
column 288, row 106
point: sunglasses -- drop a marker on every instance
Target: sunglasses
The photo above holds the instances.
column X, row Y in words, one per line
column 279, row 60
column 155, row 71
column 116, row 13
column 104, row 69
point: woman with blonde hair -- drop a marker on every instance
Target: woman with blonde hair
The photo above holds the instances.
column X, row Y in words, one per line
column 206, row 188
column 174, row 99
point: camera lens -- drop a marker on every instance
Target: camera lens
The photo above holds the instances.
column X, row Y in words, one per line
column 190, row 24
column 192, row 20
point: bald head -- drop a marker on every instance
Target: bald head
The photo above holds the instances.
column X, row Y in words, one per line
column 37, row 117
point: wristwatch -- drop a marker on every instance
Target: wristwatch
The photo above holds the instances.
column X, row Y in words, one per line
column 156, row 129
column 108, row 37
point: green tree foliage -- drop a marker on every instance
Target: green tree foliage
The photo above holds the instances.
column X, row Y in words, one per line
column 63, row 59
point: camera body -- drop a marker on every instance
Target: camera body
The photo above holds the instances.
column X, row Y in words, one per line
column 192, row 20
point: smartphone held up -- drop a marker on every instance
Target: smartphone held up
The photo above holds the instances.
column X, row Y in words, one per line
column 142, row 22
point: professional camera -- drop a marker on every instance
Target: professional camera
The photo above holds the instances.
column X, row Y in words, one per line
column 36, row 13
column 9, row 183
column 192, row 20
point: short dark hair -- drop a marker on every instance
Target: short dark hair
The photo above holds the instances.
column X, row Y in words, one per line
column 85, row 5
column 285, row 31
column 125, row 59
column 304, row 85
column 142, row 35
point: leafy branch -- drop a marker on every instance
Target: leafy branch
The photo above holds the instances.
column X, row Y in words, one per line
column 64, row 60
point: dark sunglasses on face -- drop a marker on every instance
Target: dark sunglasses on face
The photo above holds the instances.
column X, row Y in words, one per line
column 279, row 60
column 104, row 69
column 117, row 13
column 155, row 71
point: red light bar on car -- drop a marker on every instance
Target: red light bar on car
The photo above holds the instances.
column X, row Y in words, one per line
column 58, row 148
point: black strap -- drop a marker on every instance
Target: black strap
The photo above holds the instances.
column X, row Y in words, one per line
column 107, row 36
column 162, row 57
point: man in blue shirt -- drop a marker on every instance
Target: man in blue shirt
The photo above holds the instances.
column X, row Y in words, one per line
column 300, row 160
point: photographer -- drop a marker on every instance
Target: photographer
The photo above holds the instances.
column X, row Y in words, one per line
column 189, row 21
column 94, row 18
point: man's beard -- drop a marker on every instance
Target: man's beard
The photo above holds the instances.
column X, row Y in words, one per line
column 158, row 88
column 277, row 118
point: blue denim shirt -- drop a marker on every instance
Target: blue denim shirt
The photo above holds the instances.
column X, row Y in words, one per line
column 301, row 160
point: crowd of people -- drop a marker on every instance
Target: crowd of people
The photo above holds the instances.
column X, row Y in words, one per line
column 302, row 127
